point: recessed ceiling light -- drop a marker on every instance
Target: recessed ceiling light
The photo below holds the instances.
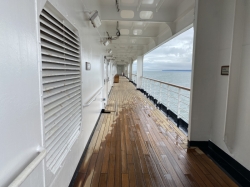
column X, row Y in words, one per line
column 128, row 1
column 149, row 2
column 106, row 43
column 146, row 14
column 137, row 31
column 139, row 23
column 127, row 14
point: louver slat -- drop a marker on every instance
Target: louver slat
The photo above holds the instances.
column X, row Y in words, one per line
column 57, row 31
column 59, row 22
column 56, row 54
column 59, row 61
column 57, row 43
column 49, row 33
column 60, row 25
column 61, row 76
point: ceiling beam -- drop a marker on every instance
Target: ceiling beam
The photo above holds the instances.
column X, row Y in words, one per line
column 139, row 4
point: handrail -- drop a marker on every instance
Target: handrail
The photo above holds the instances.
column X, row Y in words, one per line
column 93, row 98
column 27, row 171
column 174, row 85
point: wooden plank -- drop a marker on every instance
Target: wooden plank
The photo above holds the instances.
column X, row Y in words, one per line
column 132, row 175
column 219, row 171
column 103, row 180
column 79, row 179
column 99, row 139
column 105, row 163
column 90, row 171
column 118, row 154
column 98, row 167
column 125, row 180
column 138, row 169
column 111, row 171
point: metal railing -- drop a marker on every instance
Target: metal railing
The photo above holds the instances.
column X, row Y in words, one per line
column 28, row 170
column 93, row 98
column 134, row 78
column 173, row 97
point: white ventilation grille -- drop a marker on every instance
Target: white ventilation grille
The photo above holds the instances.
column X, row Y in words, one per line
column 61, row 76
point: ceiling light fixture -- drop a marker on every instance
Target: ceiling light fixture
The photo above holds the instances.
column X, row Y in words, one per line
column 110, row 38
column 95, row 19
column 106, row 42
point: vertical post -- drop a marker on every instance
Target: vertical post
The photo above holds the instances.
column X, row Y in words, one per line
column 160, row 100
column 150, row 88
column 130, row 70
column 167, row 95
column 179, row 103
column 147, row 87
column 139, row 71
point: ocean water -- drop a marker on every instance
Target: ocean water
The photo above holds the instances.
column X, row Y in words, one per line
column 177, row 100
column 180, row 78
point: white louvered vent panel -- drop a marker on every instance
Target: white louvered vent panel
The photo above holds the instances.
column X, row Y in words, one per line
column 61, row 77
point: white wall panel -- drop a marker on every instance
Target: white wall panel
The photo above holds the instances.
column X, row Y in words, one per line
column 19, row 93
column 220, row 104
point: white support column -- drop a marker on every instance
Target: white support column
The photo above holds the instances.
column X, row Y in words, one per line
column 126, row 70
column 130, row 70
column 139, row 71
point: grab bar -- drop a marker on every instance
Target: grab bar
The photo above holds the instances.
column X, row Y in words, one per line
column 92, row 98
column 27, row 171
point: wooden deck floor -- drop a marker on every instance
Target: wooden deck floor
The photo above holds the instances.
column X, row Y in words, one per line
column 136, row 145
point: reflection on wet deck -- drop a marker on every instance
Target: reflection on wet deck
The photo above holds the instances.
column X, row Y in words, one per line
column 136, row 145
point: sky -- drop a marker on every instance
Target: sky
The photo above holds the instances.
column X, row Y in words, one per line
column 175, row 54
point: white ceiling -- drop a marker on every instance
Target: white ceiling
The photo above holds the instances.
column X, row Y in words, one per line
column 169, row 17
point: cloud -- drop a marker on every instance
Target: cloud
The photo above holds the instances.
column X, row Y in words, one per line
column 175, row 54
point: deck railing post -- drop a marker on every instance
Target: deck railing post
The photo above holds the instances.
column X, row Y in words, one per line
column 153, row 87
column 150, row 87
column 167, row 96
column 148, row 82
column 179, row 103
column 160, row 94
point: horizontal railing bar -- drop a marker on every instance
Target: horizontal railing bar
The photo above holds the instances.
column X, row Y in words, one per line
column 181, row 87
column 92, row 98
column 27, row 171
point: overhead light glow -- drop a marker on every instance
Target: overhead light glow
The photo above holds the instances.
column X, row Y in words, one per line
column 127, row 14
column 106, row 42
column 137, row 31
column 146, row 14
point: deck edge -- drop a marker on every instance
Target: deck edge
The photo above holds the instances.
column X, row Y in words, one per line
column 229, row 165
